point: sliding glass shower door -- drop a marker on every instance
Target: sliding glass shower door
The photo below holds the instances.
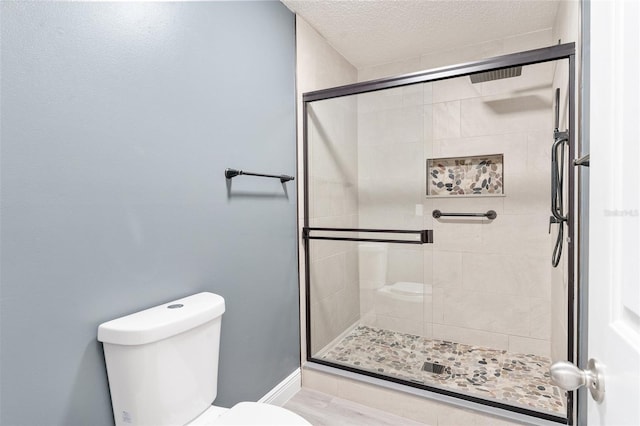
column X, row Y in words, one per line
column 367, row 235
column 427, row 244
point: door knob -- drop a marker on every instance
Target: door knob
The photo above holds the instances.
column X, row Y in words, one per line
column 569, row 377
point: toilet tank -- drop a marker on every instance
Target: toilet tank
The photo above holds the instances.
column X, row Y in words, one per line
column 162, row 362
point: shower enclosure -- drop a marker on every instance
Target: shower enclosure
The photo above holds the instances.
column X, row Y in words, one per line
column 428, row 229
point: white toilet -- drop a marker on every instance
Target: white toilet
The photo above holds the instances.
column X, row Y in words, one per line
column 162, row 365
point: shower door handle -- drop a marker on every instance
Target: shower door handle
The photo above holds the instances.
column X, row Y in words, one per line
column 569, row 377
column 582, row 161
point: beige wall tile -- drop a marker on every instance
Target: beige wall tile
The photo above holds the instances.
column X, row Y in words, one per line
column 447, row 268
column 428, row 130
column 470, row 336
column 525, row 196
column 347, row 309
column 427, row 256
column 401, row 325
column 366, row 301
column 438, row 305
column 370, row 395
column 413, row 95
column 525, row 345
column 533, row 78
column 541, row 317
column 512, row 145
column 322, row 325
column 539, row 153
column 372, row 264
column 321, row 382
column 380, row 100
column 499, row 313
column 505, row 114
column 428, row 93
column 405, row 265
column 454, row 234
column 446, row 120
column 427, row 329
column 402, row 307
column 506, row 274
column 559, row 303
column 327, row 276
column 402, row 161
column 526, row 234
column 453, row 89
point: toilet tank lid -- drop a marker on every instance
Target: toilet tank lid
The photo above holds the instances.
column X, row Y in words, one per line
column 162, row 321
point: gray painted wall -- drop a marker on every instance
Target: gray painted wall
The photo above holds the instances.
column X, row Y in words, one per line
column 118, row 120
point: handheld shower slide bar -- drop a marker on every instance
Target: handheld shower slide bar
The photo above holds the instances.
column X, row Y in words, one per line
column 560, row 143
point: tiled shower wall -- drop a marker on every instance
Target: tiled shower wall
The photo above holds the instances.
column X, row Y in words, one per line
column 333, row 172
column 490, row 280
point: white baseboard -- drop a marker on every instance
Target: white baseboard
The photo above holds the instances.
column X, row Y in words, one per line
column 284, row 390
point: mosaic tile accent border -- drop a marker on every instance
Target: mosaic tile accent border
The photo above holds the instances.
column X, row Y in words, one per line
column 477, row 175
column 516, row 379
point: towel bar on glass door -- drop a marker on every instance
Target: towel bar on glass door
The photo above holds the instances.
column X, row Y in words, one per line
column 231, row 173
column 491, row 214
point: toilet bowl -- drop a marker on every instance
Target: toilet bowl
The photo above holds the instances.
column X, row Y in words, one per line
column 162, row 366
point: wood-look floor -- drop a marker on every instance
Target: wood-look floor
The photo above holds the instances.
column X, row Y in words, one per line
column 321, row 409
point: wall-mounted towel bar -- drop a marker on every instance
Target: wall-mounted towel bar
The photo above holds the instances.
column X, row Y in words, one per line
column 231, row 173
column 491, row 214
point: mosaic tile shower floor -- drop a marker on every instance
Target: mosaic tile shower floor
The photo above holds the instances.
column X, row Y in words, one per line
column 515, row 379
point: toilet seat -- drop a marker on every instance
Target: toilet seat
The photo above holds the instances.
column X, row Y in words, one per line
column 249, row 414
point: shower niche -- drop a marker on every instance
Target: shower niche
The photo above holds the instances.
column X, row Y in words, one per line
column 460, row 304
column 480, row 175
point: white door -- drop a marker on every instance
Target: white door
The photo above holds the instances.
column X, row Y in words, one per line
column 614, row 229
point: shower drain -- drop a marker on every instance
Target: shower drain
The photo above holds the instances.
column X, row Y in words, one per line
column 430, row 367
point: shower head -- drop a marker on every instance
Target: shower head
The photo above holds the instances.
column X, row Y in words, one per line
column 496, row 74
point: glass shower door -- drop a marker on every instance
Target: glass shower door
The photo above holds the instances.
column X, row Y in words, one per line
column 367, row 237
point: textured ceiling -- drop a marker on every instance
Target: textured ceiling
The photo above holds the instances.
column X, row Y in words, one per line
column 373, row 32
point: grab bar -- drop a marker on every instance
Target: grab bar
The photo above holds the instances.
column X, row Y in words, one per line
column 231, row 173
column 491, row 214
